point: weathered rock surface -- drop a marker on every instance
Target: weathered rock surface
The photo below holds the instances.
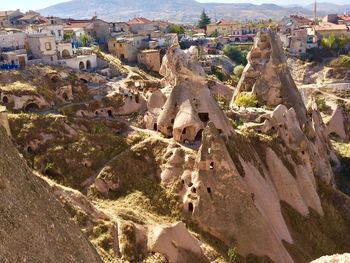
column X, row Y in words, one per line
column 176, row 243
column 345, row 258
column 339, row 124
column 190, row 104
column 268, row 77
column 34, row 226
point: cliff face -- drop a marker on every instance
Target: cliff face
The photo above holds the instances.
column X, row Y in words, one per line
column 33, row 225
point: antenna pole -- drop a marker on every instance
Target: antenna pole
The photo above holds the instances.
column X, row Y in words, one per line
column 315, row 11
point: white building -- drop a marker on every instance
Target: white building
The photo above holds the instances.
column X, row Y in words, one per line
column 12, row 41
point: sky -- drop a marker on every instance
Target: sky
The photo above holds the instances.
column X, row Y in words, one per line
column 25, row 5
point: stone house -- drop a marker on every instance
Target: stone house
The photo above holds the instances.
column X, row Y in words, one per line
column 53, row 26
column 12, row 41
column 8, row 18
column 298, row 41
column 78, row 28
column 150, row 58
column 43, row 46
column 64, row 50
column 289, row 24
column 141, row 25
column 325, row 29
column 119, row 27
column 83, row 59
column 31, row 18
column 127, row 48
column 16, row 57
column 224, row 28
column 95, row 28
column 344, row 19
column 101, row 32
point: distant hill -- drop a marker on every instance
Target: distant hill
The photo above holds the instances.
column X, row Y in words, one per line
column 330, row 8
column 172, row 10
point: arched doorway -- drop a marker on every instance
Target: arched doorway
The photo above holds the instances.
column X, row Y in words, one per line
column 88, row 64
column 65, row 96
column 81, row 65
column 65, row 54
column 32, row 107
column 5, row 100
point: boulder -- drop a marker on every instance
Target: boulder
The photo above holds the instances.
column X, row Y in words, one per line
column 176, row 243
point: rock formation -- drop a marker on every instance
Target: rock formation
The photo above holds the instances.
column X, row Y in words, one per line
column 190, row 104
column 4, row 121
column 339, row 124
column 345, row 258
column 268, row 77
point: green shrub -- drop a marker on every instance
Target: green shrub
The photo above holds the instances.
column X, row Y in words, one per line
column 232, row 254
column 321, row 104
column 238, row 70
column 178, row 29
column 246, row 99
column 219, row 73
column 340, row 62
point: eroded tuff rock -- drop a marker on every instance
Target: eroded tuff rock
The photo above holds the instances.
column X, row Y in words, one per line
column 127, row 240
column 268, row 77
column 176, row 243
column 339, row 124
column 190, row 104
column 345, row 258
column 34, row 226
column 237, row 199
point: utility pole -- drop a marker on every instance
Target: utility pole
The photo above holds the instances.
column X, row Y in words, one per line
column 315, row 11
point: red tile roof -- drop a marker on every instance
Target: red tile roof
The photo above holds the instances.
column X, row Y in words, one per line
column 225, row 22
column 300, row 19
column 139, row 21
column 326, row 26
column 344, row 18
column 77, row 24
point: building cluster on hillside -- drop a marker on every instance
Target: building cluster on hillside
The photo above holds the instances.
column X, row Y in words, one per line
column 141, row 40
column 30, row 38
column 300, row 34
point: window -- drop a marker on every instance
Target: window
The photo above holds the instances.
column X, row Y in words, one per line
column 59, row 33
column 48, row 46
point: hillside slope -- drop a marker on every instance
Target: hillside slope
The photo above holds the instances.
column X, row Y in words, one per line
column 33, row 225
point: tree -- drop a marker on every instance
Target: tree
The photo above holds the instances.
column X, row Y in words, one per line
column 215, row 33
column 329, row 42
column 177, row 29
column 204, row 20
column 85, row 40
column 342, row 41
column 235, row 54
column 68, row 36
